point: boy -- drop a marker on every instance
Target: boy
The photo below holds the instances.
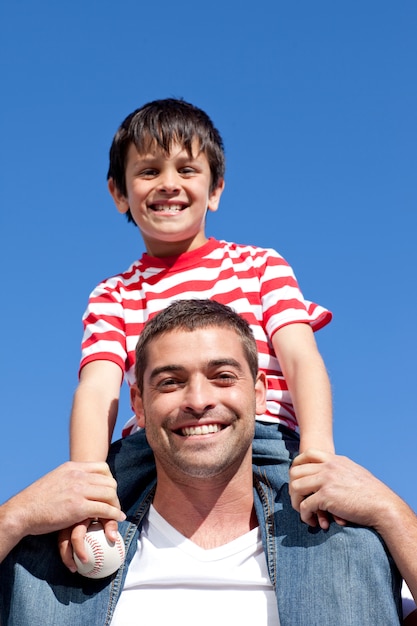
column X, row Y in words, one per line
column 166, row 171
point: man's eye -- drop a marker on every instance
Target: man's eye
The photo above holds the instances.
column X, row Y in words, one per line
column 226, row 378
column 168, row 383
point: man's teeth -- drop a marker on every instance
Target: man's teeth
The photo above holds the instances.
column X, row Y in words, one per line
column 201, row 430
column 168, row 208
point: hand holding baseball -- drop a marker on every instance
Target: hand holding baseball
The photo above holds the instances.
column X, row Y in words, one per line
column 63, row 497
column 103, row 556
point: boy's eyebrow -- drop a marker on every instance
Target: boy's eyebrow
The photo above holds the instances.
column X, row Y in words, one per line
column 166, row 369
column 150, row 157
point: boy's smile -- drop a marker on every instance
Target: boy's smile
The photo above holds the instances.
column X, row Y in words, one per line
column 168, row 196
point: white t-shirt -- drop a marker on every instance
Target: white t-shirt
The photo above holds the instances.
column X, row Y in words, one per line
column 171, row 580
column 408, row 602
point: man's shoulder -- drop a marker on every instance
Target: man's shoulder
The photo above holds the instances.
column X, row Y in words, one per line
column 132, row 464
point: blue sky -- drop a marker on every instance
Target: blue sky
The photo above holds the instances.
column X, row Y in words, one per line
column 317, row 105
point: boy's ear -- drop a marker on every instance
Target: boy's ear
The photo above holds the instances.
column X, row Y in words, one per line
column 137, row 406
column 215, row 195
column 119, row 199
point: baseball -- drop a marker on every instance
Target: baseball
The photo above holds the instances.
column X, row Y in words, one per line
column 104, row 557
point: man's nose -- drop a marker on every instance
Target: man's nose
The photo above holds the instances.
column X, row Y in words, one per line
column 198, row 397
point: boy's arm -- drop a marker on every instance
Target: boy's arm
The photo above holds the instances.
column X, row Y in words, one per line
column 308, row 384
column 93, row 417
column 94, row 411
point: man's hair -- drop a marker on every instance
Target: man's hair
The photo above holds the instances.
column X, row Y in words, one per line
column 190, row 315
column 162, row 123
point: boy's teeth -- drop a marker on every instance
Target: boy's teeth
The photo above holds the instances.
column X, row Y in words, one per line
column 168, row 208
column 201, row 430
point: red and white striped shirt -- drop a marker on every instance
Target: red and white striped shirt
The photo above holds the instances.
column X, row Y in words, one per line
column 257, row 283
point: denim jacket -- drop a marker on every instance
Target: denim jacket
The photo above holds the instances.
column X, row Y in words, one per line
column 342, row 576
column 36, row 588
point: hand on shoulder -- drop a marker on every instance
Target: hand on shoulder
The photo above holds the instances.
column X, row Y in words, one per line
column 65, row 496
column 338, row 485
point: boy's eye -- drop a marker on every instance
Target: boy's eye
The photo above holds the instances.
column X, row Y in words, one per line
column 187, row 170
column 148, row 172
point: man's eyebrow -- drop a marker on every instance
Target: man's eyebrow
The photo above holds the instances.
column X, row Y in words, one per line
column 177, row 368
column 166, row 369
column 226, row 361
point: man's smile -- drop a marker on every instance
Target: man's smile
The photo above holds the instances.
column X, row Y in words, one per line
column 204, row 429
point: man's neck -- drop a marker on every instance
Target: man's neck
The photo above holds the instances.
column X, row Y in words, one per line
column 208, row 514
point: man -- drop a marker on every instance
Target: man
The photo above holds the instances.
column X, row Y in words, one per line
column 193, row 548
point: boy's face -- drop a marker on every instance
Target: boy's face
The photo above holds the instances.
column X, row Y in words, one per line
column 168, row 196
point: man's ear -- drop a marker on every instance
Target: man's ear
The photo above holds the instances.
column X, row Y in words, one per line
column 215, row 195
column 137, row 405
column 119, row 199
column 261, row 386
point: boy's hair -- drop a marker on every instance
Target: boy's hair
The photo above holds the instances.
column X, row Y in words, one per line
column 190, row 315
column 161, row 123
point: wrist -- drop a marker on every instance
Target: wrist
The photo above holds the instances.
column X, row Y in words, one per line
column 12, row 521
column 390, row 515
column 324, row 445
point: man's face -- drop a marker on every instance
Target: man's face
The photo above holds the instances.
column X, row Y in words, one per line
column 199, row 402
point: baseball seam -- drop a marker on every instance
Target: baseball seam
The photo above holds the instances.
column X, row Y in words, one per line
column 120, row 548
column 97, row 553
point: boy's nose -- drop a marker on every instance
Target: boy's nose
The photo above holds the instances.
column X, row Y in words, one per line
column 169, row 182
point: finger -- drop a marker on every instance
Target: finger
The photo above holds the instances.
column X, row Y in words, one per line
column 308, row 511
column 308, row 517
column 295, row 496
column 65, row 550
column 105, row 511
column 302, row 486
column 98, row 487
column 64, row 537
column 94, row 467
column 101, row 488
column 67, row 558
column 299, row 460
column 323, row 520
column 77, row 540
column 295, row 501
column 110, row 529
column 310, row 456
column 305, row 469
